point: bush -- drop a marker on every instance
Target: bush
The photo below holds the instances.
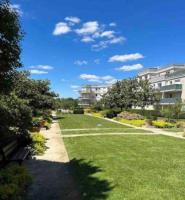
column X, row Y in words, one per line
column 150, row 114
column 47, row 125
column 97, row 114
column 48, row 119
column 162, row 124
column 13, row 182
column 109, row 113
column 138, row 123
column 78, row 111
column 130, row 116
column 180, row 124
column 38, row 144
column 87, row 110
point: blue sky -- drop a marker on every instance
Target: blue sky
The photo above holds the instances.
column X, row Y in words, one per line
column 75, row 42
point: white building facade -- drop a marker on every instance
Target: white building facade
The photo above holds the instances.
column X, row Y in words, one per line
column 89, row 94
column 168, row 82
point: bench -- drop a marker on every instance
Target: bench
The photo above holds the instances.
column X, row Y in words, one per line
column 13, row 151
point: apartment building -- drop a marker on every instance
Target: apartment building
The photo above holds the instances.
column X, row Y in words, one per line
column 89, row 94
column 168, row 82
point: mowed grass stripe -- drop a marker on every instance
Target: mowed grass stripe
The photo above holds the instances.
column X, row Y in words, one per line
column 103, row 134
column 104, row 131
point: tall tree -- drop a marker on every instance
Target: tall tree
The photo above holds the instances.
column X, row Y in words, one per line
column 10, row 49
column 145, row 94
column 128, row 93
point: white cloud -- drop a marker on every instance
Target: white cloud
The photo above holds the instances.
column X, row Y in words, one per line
column 87, row 39
column 73, row 20
column 61, row 28
column 17, row 8
column 36, row 71
column 108, row 34
column 104, row 44
column 126, row 57
column 90, row 32
column 113, row 24
column 98, row 79
column 88, row 28
column 74, row 86
column 80, row 62
column 117, row 40
column 45, row 67
column 130, row 67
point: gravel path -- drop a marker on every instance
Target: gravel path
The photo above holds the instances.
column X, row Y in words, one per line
column 51, row 178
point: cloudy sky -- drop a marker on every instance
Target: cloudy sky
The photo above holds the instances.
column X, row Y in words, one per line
column 75, row 42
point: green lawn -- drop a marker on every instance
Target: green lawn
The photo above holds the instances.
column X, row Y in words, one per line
column 128, row 167
column 70, row 121
column 96, row 125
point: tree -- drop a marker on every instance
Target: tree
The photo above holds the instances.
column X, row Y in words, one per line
column 128, row 93
column 145, row 94
column 16, row 114
column 67, row 103
column 10, row 50
column 37, row 92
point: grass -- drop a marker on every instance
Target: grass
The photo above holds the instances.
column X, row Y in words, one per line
column 96, row 125
column 128, row 167
column 112, row 130
column 70, row 121
column 174, row 129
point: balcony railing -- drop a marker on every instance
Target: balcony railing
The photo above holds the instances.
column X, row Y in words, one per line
column 169, row 101
column 174, row 87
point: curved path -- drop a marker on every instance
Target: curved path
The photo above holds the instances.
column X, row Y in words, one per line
column 51, row 177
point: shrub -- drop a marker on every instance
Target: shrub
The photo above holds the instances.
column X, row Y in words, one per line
column 47, row 125
column 162, row 124
column 109, row 113
column 48, row 119
column 78, row 111
column 180, row 124
column 13, row 182
column 138, row 123
column 87, row 110
column 38, row 144
column 130, row 116
column 150, row 114
column 183, row 135
column 97, row 114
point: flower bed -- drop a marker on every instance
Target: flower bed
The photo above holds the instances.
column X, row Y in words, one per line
column 163, row 124
column 139, row 122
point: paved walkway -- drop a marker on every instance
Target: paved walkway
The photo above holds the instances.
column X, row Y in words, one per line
column 52, row 180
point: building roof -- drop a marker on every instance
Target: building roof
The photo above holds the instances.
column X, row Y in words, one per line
column 155, row 70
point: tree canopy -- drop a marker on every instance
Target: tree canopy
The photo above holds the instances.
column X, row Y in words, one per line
column 129, row 93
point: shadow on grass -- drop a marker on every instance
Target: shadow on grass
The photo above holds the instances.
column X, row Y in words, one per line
column 66, row 181
column 90, row 186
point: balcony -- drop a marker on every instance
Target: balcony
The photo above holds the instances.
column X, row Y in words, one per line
column 174, row 87
column 167, row 101
column 85, row 91
column 157, row 78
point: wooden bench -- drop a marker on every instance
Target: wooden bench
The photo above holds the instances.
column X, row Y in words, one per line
column 13, row 151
